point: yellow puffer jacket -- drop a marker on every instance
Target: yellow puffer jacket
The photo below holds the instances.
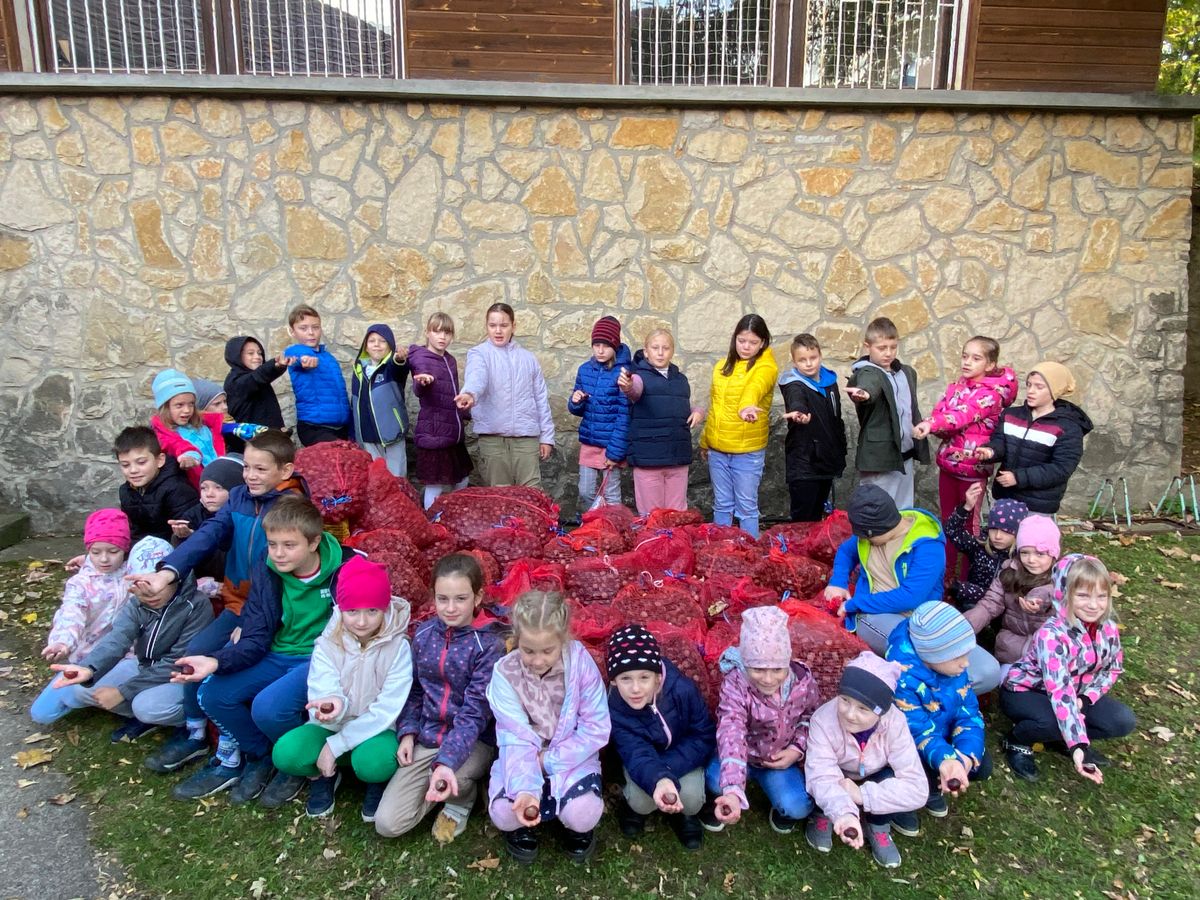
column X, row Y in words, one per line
column 724, row 431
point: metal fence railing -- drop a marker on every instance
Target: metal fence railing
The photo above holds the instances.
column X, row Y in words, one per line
column 699, row 42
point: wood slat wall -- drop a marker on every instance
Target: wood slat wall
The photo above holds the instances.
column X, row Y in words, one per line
column 10, row 50
column 1065, row 45
column 515, row 40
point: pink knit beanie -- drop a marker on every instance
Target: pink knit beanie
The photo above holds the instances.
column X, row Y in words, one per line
column 764, row 643
column 1040, row 533
column 362, row 584
column 110, row 526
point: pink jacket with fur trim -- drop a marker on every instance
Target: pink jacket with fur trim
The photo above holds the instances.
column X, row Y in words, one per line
column 966, row 417
column 176, row 445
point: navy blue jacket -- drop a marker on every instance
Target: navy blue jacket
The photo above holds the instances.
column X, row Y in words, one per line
column 667, row 738
column 817, row 450
column 1042, row 453
column 605, row 410
column 658, row 429
column 321, row 391
column 379, row 416
column 261, row 616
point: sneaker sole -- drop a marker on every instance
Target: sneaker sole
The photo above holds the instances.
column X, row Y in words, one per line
column 320, row 814
column 938, row 813
column 522, row 857
column 225, row 785
column 907, row 832
column 890, row 864
column 163, row 769
column 369, row 820
column 820, row 848
column 775, row 828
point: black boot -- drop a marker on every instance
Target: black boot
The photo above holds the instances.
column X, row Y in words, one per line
column 631, row 823
column 688, row 829
column 708, row 814
column 1020, row 760
column 522, row 845
column 580, row 845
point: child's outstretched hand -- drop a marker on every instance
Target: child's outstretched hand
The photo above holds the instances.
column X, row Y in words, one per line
column 404, row 753
column 801, row 418
column 921, row 430
column 836, row 593
column 983, row 454
column 424, row 379
column 180, row 528
column 54, row 652
column 187, row 461
column 728, row 809
column 974, row 495
column 70, row 674
column 520, row 806
column 1088, row 770
column 858, row 395
column 309, row 362
column 846, row 826
column 201, row 667
column 1030, row 605
column 749, row 414
column 442, row 785
column 952, row 771
column 75, row 563
column 283, row 360
column 400, row 356
column 464, row 401
column 151, row 585
column 325, row 709
column 666, row 797
column 624, row 380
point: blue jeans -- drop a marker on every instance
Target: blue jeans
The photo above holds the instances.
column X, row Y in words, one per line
column 208, row 641
column 784, row 788
column 735, row 478
column 258, row 705
column 54, row 703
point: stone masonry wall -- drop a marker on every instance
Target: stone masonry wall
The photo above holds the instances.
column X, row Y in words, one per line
column 137, row 233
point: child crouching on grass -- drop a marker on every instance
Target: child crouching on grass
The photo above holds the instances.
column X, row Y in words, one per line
column 862, row 764
column 766, row 700
column 358, row 681
column 551, row 724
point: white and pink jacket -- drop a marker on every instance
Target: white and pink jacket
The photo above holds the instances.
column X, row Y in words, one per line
column 90, row 603
column 966, row 417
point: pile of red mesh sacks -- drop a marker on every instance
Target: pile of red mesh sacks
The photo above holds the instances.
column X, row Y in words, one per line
column 689, row 582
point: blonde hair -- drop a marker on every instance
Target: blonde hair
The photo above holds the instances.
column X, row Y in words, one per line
column 659, row 331
column 1087, row 572
column 442, row 322
column 164, row 414
column 541, row 611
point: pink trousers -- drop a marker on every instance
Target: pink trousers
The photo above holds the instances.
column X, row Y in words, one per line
column 661, row 487
column 579, row 814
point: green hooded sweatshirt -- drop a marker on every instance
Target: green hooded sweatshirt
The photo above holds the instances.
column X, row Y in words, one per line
column 307, row 605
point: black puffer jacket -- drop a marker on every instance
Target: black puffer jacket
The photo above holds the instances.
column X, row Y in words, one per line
column 248, row 391
column 169, row 496
column 1042, row 453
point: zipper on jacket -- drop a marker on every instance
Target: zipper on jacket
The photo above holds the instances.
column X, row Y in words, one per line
column 445, row 688
column 454, row 384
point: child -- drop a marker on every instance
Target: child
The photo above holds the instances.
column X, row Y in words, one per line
column 1060, row 688
column 815, row 446
column 1022, row 592
column 884, row 392
column 447, row 737
column 358, row 681
column 604, row 415
column 91, row 600
column 1039, row 444
column 551, row 724
column 136, row 687
column 663, row 734
column 248, row 390
column 934, row 693
column 217, row 479
column 443, row 463
column 236, row 532
column 322, row 410
column 984, row 554
column 735, row 435
column 860, row 755
column 762, row 725
column 258, row 686
column 380, row 420
column 211, row 397
column 505, row 386
column 661, row 419
column 964, row 419
column 155, row 489
column 194, row 438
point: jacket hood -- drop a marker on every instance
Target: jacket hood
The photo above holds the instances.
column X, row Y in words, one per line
column 1067, row 410
column 639, row 359
column 825, row 378
column 1002, row 375
column 384, row 331
column 395, row 624
column 863, row 361
column 233, row 350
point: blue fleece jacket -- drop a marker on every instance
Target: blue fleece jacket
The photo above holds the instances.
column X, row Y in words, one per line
column 321, row 397
column 604, row 409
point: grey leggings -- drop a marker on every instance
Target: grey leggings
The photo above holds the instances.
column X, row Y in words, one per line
column 981, row 665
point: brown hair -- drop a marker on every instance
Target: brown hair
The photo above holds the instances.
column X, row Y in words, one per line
column 757, row 326
column 440, row 321
column 137, row 437
column 807, row 341
column 541, row 611
column 276, row 443
column 291, row 512
column 991, row 348
column 303, row 311
column 502, row 308
column 459, row 565
column 164, row 414
column 1016, row 579
column 881, row 329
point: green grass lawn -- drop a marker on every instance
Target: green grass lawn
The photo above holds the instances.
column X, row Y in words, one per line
column 1137, row 836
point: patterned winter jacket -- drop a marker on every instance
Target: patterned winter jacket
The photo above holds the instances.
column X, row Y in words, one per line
column 1018, row 627
column 447, row 707
column 943, row 714
column 90, row 603
column 604, row 411
column 572, row 759
column 965, row 418
column 752, row 727
column 984, row 564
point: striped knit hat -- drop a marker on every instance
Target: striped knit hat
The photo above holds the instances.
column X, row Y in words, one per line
column 632, row 649
column 939, row 633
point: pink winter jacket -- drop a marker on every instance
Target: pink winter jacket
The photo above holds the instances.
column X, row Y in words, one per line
column 965, row 419
column 176, row 445
column 1018, row 627
column 752, row 727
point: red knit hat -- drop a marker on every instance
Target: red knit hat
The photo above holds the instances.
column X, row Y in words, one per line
column 110, row 526
column 362, row 584
column 607, row 330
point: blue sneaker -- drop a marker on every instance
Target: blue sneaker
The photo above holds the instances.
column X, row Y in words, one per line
column 254, row 779
column 212, row 779
column 320, row 796
column 176, row 753
column 371, row 801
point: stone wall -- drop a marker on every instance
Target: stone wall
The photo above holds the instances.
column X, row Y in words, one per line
column 137, row 233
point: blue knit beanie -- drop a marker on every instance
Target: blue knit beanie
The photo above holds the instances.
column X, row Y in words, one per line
column 939, row 632
column 170, row 383
column 1006, row 515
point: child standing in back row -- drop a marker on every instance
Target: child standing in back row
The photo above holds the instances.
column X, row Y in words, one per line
column 443, row 463
column 816, row 435
column 322, row 410
column 379, row 418
column 884, row 391
column 505, row 388
column 604, row 413
column 248, row 390
column 735, row 435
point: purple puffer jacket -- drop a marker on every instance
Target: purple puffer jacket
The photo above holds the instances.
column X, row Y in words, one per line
column 447, row 706
column 439, row 423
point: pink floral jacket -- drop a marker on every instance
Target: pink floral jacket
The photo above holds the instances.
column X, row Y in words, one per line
column 966, row 417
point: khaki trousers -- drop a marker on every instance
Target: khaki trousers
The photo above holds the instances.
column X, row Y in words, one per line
column 404, row 806
column 509, row 460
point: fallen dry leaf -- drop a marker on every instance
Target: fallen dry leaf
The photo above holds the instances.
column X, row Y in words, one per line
column 62, row 799
column 1172, row 585
column 29, row 618
column 23, row 812
column 1173, row 552
column 1126, row 540
column 482, row 865
column 257, row 887
column 23, row 783
column 27, row 759
column 727, row 884
column 1163, row 733
column 330, row 853
column 36, row 737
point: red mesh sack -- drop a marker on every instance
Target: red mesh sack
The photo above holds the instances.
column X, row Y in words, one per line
column 659, row 599
column 336, row 472
column 406, row 488
column 726, row 558
column 789, row 537
column 593, row 623
column 681, row 647
column 404, row 578
column 443, row 542
column 673, row 518
column 508, row 543
column 666, row 552
column 727, row 597
column 721, row 636
column 821, row 642
column 598, row 578
column 389, row 540
column 826, row 536
column 548, row 576
column 472, row 511
column 784, row 572
column 592, row 539
column 390, row 506
column 709, row 533
column 598, row 656
column 514, row 583
column 487, row 562
column 622, row 518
